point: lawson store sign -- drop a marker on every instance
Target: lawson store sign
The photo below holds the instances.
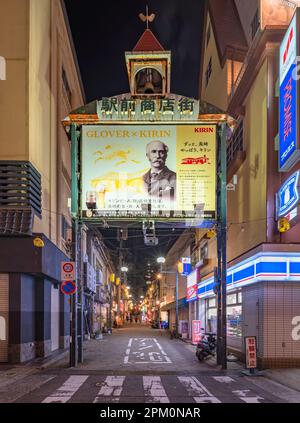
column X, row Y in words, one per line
column 262, row 267
column 289, row 152
column 288, row 195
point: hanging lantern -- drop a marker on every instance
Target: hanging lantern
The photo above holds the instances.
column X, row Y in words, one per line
column 112, row 277
column 117, row 281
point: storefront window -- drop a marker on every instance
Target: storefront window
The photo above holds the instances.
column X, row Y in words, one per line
column 234, row 315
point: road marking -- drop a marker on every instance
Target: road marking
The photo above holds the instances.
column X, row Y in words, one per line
column 151, row 357
column 126, row 358
column 65, row 392
column 197, row 390
column 223, row 379
column 162, row 351
column 111, row 387
column 243, row 395
column 154, row 391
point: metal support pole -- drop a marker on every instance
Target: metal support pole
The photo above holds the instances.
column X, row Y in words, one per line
column 223, row 203
column 80, row 334
column 176, row 296
column 74, row 209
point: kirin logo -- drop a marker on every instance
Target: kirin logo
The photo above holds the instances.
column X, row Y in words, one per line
column 286, row 52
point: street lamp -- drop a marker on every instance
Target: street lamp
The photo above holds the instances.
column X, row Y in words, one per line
column 161, row 260
column 124, row 269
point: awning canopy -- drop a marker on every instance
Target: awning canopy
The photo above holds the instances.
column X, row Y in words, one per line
column 171, row 306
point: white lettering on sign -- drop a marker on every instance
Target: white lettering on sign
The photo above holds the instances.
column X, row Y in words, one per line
column 296, row 330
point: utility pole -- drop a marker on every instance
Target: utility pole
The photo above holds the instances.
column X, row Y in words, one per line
column 74, row 213
column 222, row 247
column 176, row 299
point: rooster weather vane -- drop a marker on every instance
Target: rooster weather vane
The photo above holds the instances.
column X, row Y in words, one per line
column 148, row 18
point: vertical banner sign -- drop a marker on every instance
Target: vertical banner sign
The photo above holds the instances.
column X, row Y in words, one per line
column 196, row 331
column 192, row 285
column 289, row 153
column 251, row 352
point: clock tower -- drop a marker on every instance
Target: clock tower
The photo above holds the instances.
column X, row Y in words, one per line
column 148, row 65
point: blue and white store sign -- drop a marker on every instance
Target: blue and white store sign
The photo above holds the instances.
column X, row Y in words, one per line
column 289, row 152
column 288, row 196
column 262, row 267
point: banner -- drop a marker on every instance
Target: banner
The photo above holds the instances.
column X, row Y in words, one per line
column 148, row 170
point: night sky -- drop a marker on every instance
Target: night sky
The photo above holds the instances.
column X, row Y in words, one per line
column 103, row 31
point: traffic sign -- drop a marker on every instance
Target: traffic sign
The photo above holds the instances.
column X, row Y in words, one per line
column 68, row 287
column 68, row 271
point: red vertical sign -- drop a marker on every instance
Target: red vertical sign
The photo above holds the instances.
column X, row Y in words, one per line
column 196, row 331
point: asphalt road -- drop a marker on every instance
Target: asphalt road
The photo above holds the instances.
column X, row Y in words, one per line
column 138, row 364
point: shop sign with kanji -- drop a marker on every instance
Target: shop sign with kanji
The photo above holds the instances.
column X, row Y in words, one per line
column 251, row 352
column 148, row 109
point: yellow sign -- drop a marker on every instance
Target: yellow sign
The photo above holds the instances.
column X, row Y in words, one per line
column 284, row 225
column 112, row 277
column 128, row 170
column 180, row 267
column 117, row 281
column 38, row 242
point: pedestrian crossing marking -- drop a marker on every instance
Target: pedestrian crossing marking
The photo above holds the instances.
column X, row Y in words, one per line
column 111, row 387
column 65, row 392
column 197, row 390
column 154, row 390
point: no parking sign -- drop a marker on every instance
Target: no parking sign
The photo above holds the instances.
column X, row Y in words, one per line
column 68, row 287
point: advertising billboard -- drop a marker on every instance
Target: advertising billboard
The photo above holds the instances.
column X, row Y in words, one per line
column 138, row 170
column 288, row 109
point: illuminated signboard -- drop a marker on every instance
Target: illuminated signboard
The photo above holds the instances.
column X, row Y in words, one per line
column 142, row 170
column 289, row 152
column 288, row 196
column 192, row 285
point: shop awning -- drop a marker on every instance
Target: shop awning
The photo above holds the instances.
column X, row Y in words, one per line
column 171, row 306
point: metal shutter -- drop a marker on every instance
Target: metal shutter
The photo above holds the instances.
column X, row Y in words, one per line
column 54, row 318
column 4, row 279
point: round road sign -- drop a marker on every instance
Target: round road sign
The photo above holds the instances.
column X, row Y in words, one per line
column 68, row 287
column 68, row 267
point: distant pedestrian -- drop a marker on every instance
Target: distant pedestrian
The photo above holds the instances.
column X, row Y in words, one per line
column 136, row 319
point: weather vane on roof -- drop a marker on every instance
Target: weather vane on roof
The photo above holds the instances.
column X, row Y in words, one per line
column 147, row 18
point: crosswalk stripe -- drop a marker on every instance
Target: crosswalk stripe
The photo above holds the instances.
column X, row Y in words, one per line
column 154, row 390
column 111, row 387
column 197, row 390
column 65, row 392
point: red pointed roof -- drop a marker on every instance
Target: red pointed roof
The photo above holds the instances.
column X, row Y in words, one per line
column 148, row 42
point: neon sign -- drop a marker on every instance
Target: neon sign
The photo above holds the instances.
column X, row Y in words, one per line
column 289, row 152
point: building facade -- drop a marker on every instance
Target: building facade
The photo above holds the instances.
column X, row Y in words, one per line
column 240, row 74
column 42, row 85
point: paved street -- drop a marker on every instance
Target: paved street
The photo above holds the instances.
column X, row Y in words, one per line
column 142, row 365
